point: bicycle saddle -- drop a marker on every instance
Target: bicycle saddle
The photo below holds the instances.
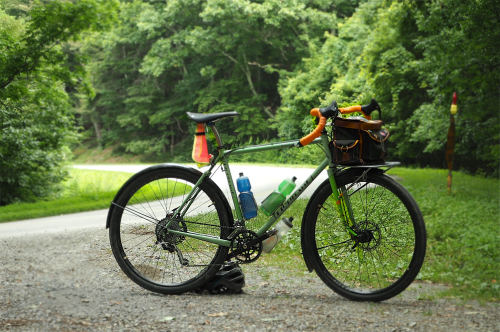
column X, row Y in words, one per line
column 211, row 117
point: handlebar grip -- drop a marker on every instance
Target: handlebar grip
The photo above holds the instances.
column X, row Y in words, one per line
column 317, row 131
column 353, row 109
column 350, row 109
column 365, row 109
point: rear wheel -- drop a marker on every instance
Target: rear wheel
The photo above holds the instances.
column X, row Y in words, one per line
column 144, row 247
column 386, row 253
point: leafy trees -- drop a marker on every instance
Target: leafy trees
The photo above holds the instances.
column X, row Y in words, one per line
column 411, row 56
column 166, row 58
column 35, row 110
column 270, row 60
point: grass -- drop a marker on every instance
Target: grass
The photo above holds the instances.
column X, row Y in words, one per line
column 463, row 241
column 87, row 190
column 463, row 248
column 84, row 190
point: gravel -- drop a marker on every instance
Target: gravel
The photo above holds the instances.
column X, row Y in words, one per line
column 70, row 282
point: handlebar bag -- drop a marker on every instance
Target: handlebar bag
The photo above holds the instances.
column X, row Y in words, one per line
column 356, row 146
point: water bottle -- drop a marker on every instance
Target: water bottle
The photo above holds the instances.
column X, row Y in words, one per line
column 282, row 227
column 277, row 197
column 247, row 201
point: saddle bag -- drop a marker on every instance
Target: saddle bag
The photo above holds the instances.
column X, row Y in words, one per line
column 358, row 141
column 200, row 149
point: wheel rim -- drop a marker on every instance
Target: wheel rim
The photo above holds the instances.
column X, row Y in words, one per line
column 149, row 251
column 381, row 253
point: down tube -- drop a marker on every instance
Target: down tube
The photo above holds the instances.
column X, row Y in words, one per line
column 292, row 198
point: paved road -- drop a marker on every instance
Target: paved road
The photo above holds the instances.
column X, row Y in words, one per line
column 264, row 179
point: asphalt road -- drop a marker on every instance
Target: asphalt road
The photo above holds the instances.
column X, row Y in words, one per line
column 264, row 180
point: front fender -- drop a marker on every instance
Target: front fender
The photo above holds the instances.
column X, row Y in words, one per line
column 167, row 167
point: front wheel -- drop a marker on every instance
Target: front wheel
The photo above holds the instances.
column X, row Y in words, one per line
column 388, row 249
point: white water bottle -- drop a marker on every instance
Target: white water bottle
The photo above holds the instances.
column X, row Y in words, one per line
column 282, row 227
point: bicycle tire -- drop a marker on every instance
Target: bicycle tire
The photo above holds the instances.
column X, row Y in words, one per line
column 389, row 259
column 146, row 252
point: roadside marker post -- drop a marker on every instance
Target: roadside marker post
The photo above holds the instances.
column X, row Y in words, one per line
column 450, row 144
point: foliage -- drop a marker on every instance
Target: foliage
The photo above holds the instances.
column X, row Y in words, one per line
column 270, row 60
column 35, row 111
column 166, row 58
column 411, row 56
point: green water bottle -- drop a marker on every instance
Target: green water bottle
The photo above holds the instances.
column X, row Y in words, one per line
column 277, row 197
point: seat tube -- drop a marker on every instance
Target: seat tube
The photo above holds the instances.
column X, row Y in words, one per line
column 234, row 196
column 225, row 163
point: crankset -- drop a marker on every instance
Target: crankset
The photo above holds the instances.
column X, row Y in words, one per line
column 246, row 246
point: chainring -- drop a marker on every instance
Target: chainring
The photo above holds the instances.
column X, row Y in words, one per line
column 246, row 246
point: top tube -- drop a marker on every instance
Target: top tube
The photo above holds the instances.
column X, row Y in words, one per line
column 268, row 146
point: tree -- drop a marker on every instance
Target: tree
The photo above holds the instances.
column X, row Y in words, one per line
column 411, row 56
column 35, row 112
column 166, row 58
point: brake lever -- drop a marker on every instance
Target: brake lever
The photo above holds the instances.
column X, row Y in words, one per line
column 372, row 106
column 331, row 111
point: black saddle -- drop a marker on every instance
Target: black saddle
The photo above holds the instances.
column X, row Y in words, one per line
column 204, row 118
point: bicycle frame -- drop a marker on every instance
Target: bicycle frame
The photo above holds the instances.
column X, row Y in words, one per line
column 223, row 158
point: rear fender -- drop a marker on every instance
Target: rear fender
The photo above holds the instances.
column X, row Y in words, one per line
column 166, row 167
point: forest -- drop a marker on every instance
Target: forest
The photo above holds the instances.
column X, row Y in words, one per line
column 121, row 75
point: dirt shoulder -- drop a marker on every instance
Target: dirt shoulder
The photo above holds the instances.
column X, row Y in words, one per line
column 70, row 281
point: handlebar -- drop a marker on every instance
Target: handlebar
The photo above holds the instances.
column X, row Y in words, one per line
column 317, row 131
column 331, row 112
column 365, row 109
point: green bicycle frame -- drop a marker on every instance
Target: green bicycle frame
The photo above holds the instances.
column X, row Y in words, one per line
column 340, row 199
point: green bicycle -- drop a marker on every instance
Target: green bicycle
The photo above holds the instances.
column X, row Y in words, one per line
column 171, row 227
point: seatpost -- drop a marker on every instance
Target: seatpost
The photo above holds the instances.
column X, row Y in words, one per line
column 218, row 140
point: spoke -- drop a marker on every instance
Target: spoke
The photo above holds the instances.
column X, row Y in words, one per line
column 147, row 202
column 357, row 189
column 173, row 194
column 375, row 270
column 159, row 199
column 138, row 214
column 334, row 244
column 376, row 203
column 138, row 236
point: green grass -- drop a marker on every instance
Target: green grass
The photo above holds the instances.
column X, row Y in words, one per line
column 463, row 244
column 84, row 190
column 463, row 248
